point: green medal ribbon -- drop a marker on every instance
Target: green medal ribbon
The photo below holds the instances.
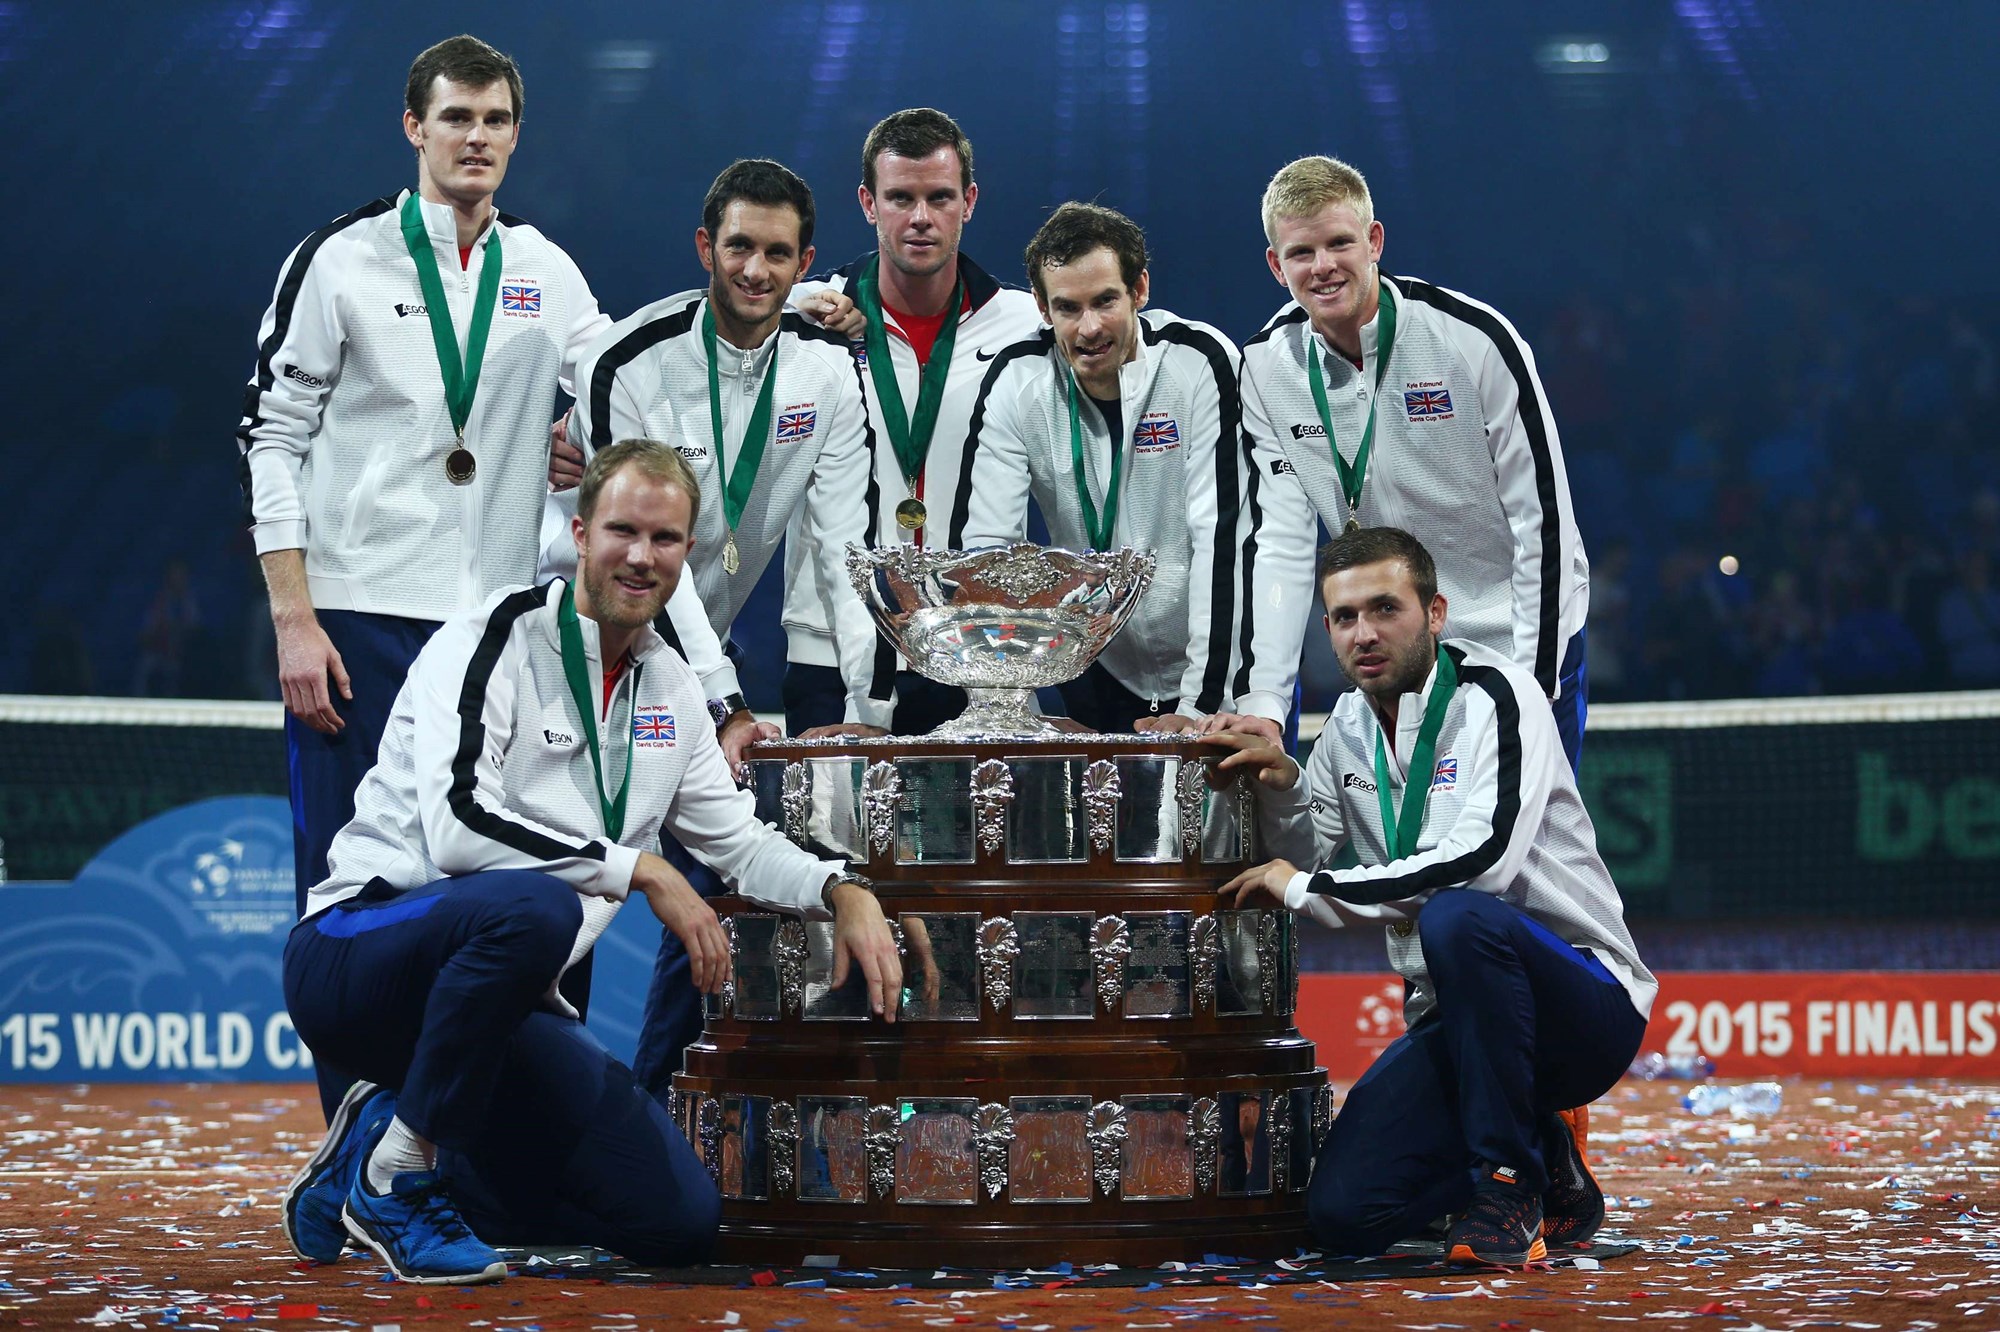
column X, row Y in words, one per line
column 577, row 670
column 1401, row 834
column 737, row 481
column 911, row 435
column 1351, row 478
column 461, row 379
column 1100, row 537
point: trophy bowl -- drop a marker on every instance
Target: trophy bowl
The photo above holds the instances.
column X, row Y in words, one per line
column 999, row 623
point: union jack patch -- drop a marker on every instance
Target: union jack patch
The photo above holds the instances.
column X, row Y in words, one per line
column 1427, row 403
column 518, row 298
column 653, row 730
column 795, row 426
column 1153, row 434
column 1446, row 774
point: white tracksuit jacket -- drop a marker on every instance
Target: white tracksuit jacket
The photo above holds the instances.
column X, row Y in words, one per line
column 1502, row 816
column 1181, row 492
column 345, row 428
column 1466, row 459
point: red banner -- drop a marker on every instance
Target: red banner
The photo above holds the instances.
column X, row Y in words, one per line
column 1813, row 1023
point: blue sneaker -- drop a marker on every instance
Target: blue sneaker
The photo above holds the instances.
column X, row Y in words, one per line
column 417, row 1231
column 312, row 1204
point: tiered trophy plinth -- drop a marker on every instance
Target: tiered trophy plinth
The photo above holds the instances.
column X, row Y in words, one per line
column 1095, row 1060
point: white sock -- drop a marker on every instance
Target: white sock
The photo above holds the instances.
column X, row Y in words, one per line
column 399, row 1152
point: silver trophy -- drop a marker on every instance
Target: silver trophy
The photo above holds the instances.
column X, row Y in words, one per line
column 999, row 623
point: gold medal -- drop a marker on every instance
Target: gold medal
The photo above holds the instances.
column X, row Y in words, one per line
column 460, row 465
column 910, row 514
column 1353, row 525
column 732, row 559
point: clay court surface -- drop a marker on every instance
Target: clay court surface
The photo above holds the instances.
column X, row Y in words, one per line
column 1868, row 1206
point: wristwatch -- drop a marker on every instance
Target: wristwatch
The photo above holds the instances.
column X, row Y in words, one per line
column 722, row 709
column 859, row 880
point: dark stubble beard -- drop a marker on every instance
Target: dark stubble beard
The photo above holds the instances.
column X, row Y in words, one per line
column 1405, row 676
column 607, row 600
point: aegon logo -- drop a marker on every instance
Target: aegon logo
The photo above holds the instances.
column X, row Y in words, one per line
column 1313, row 431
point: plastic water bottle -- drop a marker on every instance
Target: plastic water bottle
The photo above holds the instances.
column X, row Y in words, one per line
column 1652, row 1066
column 1752, row 1100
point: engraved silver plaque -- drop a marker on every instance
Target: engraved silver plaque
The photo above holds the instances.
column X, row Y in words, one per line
column 824, row 1003
column 934, row 818
column 1100, row 802
column 1147, row 823
column 1110, row 945
column 937, row 1152
column 1158, row 1164
column 1049, row 1160
column 797, row 801
column 882, row 1140
column 767, row 788
column 759, row 990
column 1045, row 820
column 790, row 949
column 881, row 795
column 1239, row 986
column 1206, row 952
column 940, row 966
column 1267, row 960
column 1205, row 1141
column 1107, row 1144
column 708, row 1136
column 1222, row 826
column 994, row 1136
column 1280, row 1108
column 1052, row 977
column 1189, row 787
column 1243, row 1165
column 832, row 1152
column 999, row 950
column 784, row 1147
column 1322, row 1112
column 992, row 792
column 724, row 1000
column 1157, row 974
column 746, row 1147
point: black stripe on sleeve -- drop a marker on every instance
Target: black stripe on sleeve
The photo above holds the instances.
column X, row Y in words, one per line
column 472, row 740
column 1229, row 428
column 1284, row 319
column 615, row 358
column 1535, row 421
column 281, row 327
column 1038, row 344
column 1255, row 503
column 1506, row 809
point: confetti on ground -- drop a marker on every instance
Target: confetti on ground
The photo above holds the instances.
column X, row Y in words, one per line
column 1858, row 1205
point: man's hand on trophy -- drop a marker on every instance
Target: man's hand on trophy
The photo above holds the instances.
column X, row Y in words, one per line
column 1166, row 723
column 1272, row 878
column 739, row 731
column 682, row 910
column 1247, row 723
column 565, row 458
column 1249, row 753
column 861, row 936
column 846, row 730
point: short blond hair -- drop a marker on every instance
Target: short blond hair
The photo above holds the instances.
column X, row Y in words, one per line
column 653, row 459
column 1302, row 188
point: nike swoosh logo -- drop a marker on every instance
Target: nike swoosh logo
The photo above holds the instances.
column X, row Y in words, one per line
column 984, row 355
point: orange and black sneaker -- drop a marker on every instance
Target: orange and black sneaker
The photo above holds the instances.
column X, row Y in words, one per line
column 1573, row 1204
column 1502, row 1227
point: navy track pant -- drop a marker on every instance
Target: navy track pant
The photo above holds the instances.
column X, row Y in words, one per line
column 1525, row 1026
column 543, row 1137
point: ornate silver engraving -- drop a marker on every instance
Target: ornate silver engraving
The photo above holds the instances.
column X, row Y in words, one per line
column 791, row 952
column 999, row 948
column 1246, row 819
column 708, row 1131
column 881, row 792
column 1291, row 991
column 1188, row 784
column 1107, row 1144
column 1267, row 958
column 882, row 1140
column 1100, row 801
column 992, row 792
column 1206, row 950
column 1322, row 1114
column 796, row 800
column 1205, row 1134
column 994, row 1135
column 1110, row 945
column 1281, row 1142
column 784, row 1139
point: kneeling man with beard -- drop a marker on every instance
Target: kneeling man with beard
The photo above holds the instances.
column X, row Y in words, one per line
column 539, row 743
column 1438, row 803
